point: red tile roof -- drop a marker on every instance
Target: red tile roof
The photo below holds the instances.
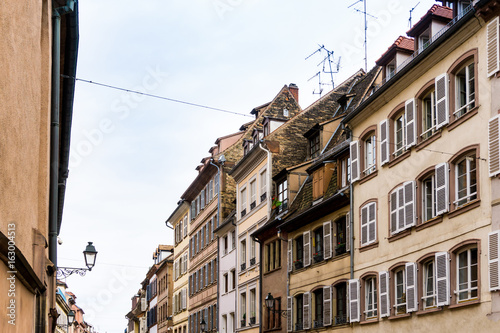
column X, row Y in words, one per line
column 403, row 43
column 441, row 13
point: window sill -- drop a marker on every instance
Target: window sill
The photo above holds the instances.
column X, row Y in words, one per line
column 465, row 303
column 465, row 208
column 369, row 321
column 272, row 270
column 424, row 143
column 398, row 159
column 400, row 316
column 368, row 247
column 429, row 311
column 399, row 235
column 455, row 123
column 429, row 223
column 367, row 178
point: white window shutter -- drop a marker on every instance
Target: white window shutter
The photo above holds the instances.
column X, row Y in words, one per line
column 494, row 146
column 442, row 260
column 411, row 138
column 492, row 33
column 442, row 188
column 306, row 298
column 394, row 211
column 348, row 231
column 401, row 209
column 327, row 240
column 364, row 225
column 383, row 287
column 290, row 255
column 144, row 305
column 184, row 298
column 442, row 112
column 384, row 142
column 372, row 222
column 354, row 152
column 327, row 306
column 411, row 287
column 174, row 303
column 494, row 260
column 289, row 317
column 409, row 198
column 307, row 248
column 354, row 301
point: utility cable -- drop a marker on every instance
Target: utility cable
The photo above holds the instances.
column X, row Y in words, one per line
column 154, row 96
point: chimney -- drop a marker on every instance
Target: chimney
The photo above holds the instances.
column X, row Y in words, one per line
column 294, row 90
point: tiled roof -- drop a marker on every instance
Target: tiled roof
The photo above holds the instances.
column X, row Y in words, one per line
column 401, row 44
column 438, row 12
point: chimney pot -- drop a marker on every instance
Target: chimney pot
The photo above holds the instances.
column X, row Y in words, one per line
column 294, row 90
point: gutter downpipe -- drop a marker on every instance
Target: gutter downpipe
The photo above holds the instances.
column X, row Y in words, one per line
column 351, row 216
column 269, row 204
column 218, row 254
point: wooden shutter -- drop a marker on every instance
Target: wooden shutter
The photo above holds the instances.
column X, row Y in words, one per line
column 383, row 287
column 372, row 222
column 327, row 240
column 492, row 61
column 442, row 188
column 174, row 303
column 409, row 199
column 394, row 211
column 442, row 278
column 289, row 317
column 494, row 146
column 364, row 225
column 401, row 209
column 354, row 151
column 327, row 305
column 354, row 300
column 384, row 142
column 307, row 248
column 411, row 138
column 348, row 232
column 494, row 260
column 306, row 310
column 411, row 287
column 290, row 255
column 442, row 112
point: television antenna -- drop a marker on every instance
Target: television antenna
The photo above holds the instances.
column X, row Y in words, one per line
column 411, row 11
column 365, row 14
column 327, row 59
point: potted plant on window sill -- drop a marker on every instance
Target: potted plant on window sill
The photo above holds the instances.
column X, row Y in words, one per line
column 318, row 256
column 252, row 318
column 298, row 264
column 340, row 248
column 243, row 321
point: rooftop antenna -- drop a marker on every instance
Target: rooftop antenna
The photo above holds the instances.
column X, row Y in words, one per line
column 366, row 27
column 329, row 58
column 411, row 11
column 320, row 88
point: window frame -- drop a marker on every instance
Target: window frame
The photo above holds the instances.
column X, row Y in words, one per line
column 369, row 243
column 317, row 316
column 393, row 289
column 453, row 162
column 364, row 279
column 318, row 246
column 282, row 194
column 455, row 251
column 339, row 313
column 423, row 283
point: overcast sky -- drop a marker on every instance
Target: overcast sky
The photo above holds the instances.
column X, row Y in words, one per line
column 133, row 156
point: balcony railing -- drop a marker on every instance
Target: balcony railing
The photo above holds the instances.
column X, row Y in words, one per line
column 341, row 320
column 252, row 205
column 243, row 212
column 252, row 261
column 318, row 323
column 263, row 197
column 243, row 266
column 426, row 44
column 298, row 326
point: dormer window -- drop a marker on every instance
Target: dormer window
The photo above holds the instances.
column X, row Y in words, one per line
column 266, row 124
column 390, row 69
column 314, row 146
column 462, row 6
column 285, row 112
column 423, row 39
column 247, row 146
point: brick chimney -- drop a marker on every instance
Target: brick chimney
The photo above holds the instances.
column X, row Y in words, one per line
column 294, row 90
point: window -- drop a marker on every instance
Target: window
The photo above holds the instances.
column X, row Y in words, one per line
column 233, row 239
column 429, row 197
column 265, row 125
column 263, row 185
column 399, row 134
column 243, row 254
column 340, row 236
column 370, row 308
column 318, row 183
column 185, row 226
column 314, row 146
column 429, row 119
column 429, row 283
column 273, row 255
column 233, row 279
column 299, row 252
column 252, row 251
column 282, row 195
column 226, row 283
column 243, row 202
column 465, row 90
column 340, row 305
column 390, row 69
column 467, row 275
column 224, row 242
column 345, row 172
column 465, row 180
column 273, row 318
column 252, row 307
column 462, row 6
column 399, row 291
column 318, row 244
column 402, row 207
column 253, row 194
column 318, row 308
column 368, row 223
column 243, row 308
column 369, row 158
column 299, row 311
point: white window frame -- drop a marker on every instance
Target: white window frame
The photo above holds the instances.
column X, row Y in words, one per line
column 243, row 198
column 460, row 110
column 371, row 307
column 399, row 119
column 397, row 304
column 253, row 190
column 370, row 158
column 469, row 195
column 469, row 288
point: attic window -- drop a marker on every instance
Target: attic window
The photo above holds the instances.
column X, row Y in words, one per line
column 285, row 112
column 266, row 126
column 390, row 69
column 462, row 5
column 314, row 145
column 423, row 39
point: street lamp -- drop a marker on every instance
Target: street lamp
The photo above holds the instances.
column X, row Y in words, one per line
column 71, row 317
column 203, row 325
column 89, row 254
column 269, row 301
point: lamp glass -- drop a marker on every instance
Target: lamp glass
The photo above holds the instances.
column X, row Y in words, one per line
column 269, row 301
column 90, row 254
column 203, row 325
column 71, row 317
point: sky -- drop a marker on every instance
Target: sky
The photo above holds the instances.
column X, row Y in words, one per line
column 133, row 156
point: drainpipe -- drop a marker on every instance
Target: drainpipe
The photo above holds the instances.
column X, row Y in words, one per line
column 269, row 179
column 351, row 213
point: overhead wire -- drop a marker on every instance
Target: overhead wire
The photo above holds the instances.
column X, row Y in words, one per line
column 155, row 96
